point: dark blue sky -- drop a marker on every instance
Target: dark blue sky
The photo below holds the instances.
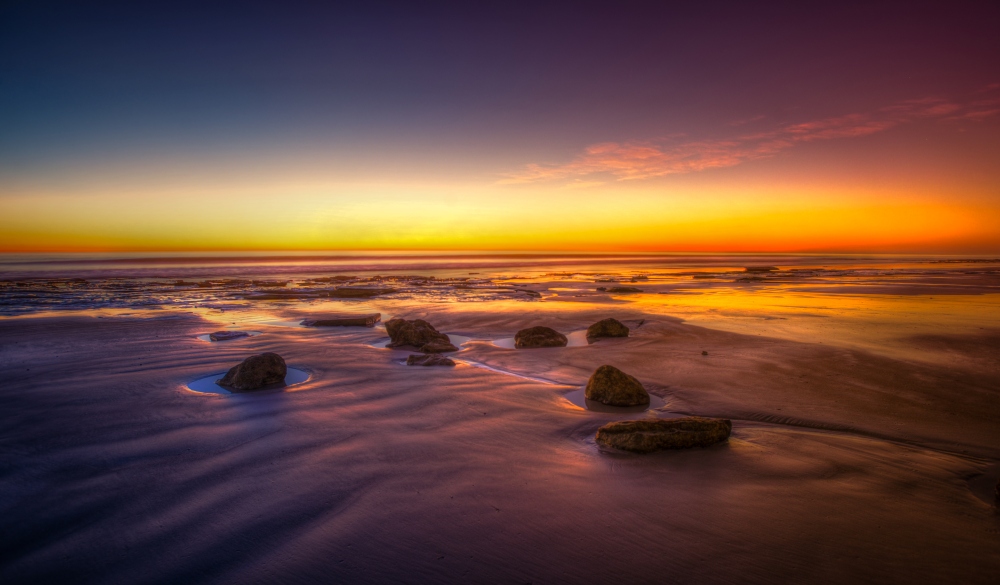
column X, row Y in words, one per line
column 81, row 79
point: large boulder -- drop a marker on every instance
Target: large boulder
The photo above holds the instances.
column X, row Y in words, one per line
column 255, row 372
column 344, row 321
column 607, row 328
column 539, row 337
column 644, row 436
column 227, row 335
column 432, row 359
column 418, row 334
column 611, row 386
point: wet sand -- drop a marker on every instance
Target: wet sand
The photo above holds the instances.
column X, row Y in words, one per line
column 845, row 465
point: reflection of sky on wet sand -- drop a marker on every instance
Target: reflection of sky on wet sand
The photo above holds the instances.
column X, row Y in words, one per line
column 876, row 303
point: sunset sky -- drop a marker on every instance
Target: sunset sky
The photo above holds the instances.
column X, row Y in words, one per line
column 500, row 126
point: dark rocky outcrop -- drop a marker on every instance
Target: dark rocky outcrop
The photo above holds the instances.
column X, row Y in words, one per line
column 606, row 328
column 348, row 292
column 432, row 359
column 624, row 289
column 613, row 387
column 644, row 436
column 760, row 268
column 418, row 334
column 255, row 372
column 227, row 335
column 539, row 336
column 344, row 321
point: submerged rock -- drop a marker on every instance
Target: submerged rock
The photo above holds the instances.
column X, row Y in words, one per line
column 429, row 360
column 644, row 436
column 347, row 292
column 539, row 337
column 255, row 372
column 227, row 335
column 624, row 289
column 419, row 334
column 607, row 328
column 345, row 321
column 613, row 387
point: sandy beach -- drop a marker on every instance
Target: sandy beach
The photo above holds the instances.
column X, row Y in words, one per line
column 844, row 465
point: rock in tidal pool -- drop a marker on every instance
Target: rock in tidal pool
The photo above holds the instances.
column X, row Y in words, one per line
column 418, row 334
column 344, row 321
column 607, row 328
column 227, row 335
column 539, row 337
column 255, row 372
column 613, row 387
column 645, row 436
column 431, row 359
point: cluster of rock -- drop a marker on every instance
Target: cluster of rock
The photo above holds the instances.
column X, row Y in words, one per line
column 344, row 321
column 607, row 385
column 645, row 436
column 255, row 372
column 417, row 334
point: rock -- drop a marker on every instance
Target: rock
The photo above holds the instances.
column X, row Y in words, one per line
column 227, row 335
column 281, row 296
column 760, row 268
column 429, row 360
column 255, row 372
column 644, row 436
column 704, row 352
column 348, row 292
column 607, row 328
column 419, row 334
column 539, row 337
column 438, row 347
column 611, row 386
column 624, row 289
column 345, row 321
column 602, row 288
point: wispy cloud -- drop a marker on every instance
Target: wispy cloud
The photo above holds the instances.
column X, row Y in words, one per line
column 658, row 158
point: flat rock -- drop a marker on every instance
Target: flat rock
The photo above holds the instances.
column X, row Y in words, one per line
column 429, row 360
column 613, row 387
column 418, row 334
column 760, row 268
column 607, row 328
column 255, row 372
column 624, row 289
column 350, row 292
column 344, row 321
column 227, row 335
column 645, row 436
